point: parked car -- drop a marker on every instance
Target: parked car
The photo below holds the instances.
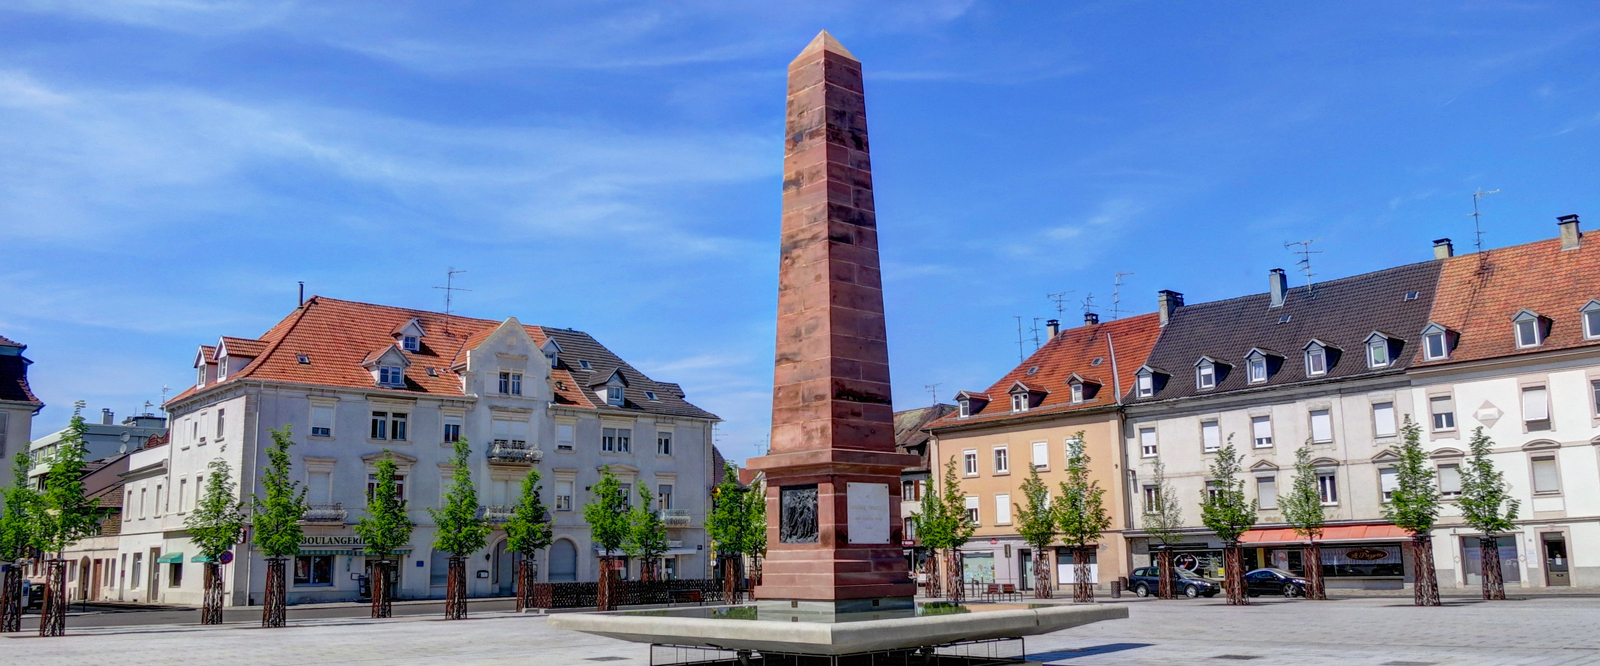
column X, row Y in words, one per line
column 1275, row 581
column 1146, row 581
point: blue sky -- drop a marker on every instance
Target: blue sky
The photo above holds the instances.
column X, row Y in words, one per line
column 170, row 168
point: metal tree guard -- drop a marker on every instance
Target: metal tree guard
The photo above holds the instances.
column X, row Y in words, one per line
column 275, row 613
column 1494, row 584
column 1425, row 587
column 11, row 598
column 211, row 604
column 53, row 616
column 1082, row 587
column 455, row 597
column 1041, row 575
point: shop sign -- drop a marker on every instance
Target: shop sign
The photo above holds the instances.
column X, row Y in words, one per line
column 331, row 541
column 1186, row 561
column 1366, row 554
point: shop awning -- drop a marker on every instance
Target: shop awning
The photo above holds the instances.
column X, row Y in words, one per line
column 171, row 558
column 201, row 558
column 1330, row 534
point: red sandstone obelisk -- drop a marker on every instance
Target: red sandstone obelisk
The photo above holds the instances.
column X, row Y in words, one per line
column 833, row 528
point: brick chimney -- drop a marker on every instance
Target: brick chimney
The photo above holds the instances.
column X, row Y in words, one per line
column 1052, row 327
column 1167, row 301
column 1090, row 319
column 1278, row 284
column 1571, row 238
column 1443, row 248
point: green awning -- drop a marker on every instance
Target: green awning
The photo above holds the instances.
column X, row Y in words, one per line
column 171, row 558
column 201, row 558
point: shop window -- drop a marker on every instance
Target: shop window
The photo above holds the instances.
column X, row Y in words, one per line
column 313, row 570
column 175, row 574
column 439, row 568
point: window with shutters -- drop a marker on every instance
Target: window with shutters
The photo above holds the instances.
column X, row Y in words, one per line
column 321, row 421
column 1383, row 424
column 1041, row 455
column 1546, row 476
column 972, row 510
column 1210, row 436
column 1388, row 482
column 1002, row 509
column 1321, row 426
column 1450, row 480
column 1536, row 408
column 1261, row 431
column 1267, row 492
column 1147, row 442
column 1443, row 408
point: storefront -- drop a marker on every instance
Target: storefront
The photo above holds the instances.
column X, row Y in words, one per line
column 1370, row 557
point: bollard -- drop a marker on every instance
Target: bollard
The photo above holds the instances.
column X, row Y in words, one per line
column 1116, row 589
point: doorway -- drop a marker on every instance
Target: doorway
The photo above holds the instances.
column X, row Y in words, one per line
column 154, row 577
column 1556, row 573
column 563, row 562
column 505, row 577
column 96, row 580
column 1024, row 569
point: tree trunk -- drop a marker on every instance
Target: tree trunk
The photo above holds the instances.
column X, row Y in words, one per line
column 730, row 579
column 1164, row 572
column 526, row 577
column 955, row 590
column 11, row 599
column 1424, row 579
column 382, row 592
column 755, row 576
column 1311, row 559
column 274, row 613
column 1082, row 587
column 53, row 616
column 455, row 590
column 932, row 566
column 1042, row 589
column 1233, row 575
column 1494, row 584
column 211, row 602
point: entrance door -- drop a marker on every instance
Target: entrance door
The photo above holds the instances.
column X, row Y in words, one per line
column 1555, row 560
column 95, row 580
column 505, row 577
column 155, row 575
column 563, row 562
column 1024, row 569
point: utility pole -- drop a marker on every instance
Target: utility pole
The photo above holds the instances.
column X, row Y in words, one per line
column 1477, row 227
column 449, row 292
column 1116, row 296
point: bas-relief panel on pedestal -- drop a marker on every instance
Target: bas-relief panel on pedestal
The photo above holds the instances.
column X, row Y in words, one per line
column 798, row 514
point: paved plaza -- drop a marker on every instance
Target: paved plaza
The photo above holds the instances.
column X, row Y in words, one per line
column 1350, row 632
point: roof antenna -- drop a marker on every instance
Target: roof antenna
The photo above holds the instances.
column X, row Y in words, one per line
column 1060, row 299
column 1020, row 357
column 1477, row 229
column 1304, row 263
column 933, row 389
column 1088, row 303
column 449, row 291
column 1036, row 330
column 1116, row 296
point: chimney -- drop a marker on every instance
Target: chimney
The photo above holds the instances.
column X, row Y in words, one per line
column 302, row 294
column 1052, row 327
column 1278, row 283
column 106, row 417
column 1090, row 319
column 1168, row 300
column 1443, row 248
column 1571, row 238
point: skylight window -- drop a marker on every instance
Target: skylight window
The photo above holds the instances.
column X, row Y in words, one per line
column 304, row 359
column 650, row 395
column 1097, row 361
column 1413, row 295
column 432, row 371
column 583, row 364
column 1285, row 319
column 1033, row 370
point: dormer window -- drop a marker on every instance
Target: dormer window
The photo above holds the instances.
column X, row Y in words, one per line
column 1320, row 356
column 1077, row 393
column 409, row 342
column 1259, row 366
column 222, row 368
column 1435, row 342
column 965, row 407
column 1019, row 402
column 1591, row 319
column 409, row 335
column 614, row 396
column 1529, row 328
column 1205, row 375
column 391, row 375
column 200, row 372
column 1378, row 351
column 388, row 367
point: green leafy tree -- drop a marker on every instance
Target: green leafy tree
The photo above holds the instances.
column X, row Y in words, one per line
column 646, row 539
column 1163, row 521
column 385, row 529
column 1226, row 510
column 527, row 532
column 1302, row 510
column 16, row 540
column 1082, row 515
column 1414, row 507
column 276, row 523
column 1486, row 504
column 755, row 543
column 215, row 525
column 607, row 514
column 64, row 515
column 460, row 530
column 1036, row 524
column 730, row 527
column 929, row 523
column 949, row 529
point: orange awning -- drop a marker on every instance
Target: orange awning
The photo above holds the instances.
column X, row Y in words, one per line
column 1338, row 533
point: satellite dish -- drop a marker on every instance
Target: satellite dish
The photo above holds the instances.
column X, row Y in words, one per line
column 124, row 438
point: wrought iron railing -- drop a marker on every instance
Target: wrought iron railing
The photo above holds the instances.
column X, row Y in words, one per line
column 498, row 513
column 675, row 517
column 325, row 512
column 515, row 451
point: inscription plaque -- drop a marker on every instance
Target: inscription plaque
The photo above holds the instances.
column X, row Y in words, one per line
column 868, row 513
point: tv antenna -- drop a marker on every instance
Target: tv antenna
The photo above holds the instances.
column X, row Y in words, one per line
column 164, row 390
column 1088, row 303
column 1020, row 357
column 933, row 390
column 1116, row 296
column 1036, row 330
column 450, row 290
column 1303, row 248
column 1477, row 227
column 1060, row 298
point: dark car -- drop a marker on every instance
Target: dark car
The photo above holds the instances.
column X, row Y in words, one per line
column 1275, row 581
column 1146, row 581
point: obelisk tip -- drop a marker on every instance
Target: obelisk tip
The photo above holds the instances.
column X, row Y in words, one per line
column 825, row 42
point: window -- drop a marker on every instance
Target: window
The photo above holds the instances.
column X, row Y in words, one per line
column 1206, row 375
column 1002, row 509
column 158, row 505
column 313, row 570
column 1258, row 369
column 452, row 428
column 1383, row 419
column 1077, row 393
column 1267, row 492
column 199, row 489
column 391, row 375
column 972, row 510
column 409, row 342
column 1450, row 480
column 143, row 493
column 194, row 430
column 564, row 437
column 175, row 574
column 183, row 495
column 563, row 495
column 1147, row 442
column 138, row 568
column 1594, row 391
column 505, row 383
column 321, row 421
column 1378, row 352
column 1261, row 431
column 1546, row 479
column 1002, row 460
column 663, row 443
column 1147, row 385
column 966, row 408
column 908, row 491
column 380, row 426
column 1019, row 402
column 1316, row 361
column 1591, row 320
column 1536, row 408
column 1444, row 412
column 1321, row 425
column 399, row 485
column 1388, row 482
column 511, row 383
column 1041, row 455
column 624, row 440
column 909, row 527
column 969, row 461
column 1210, row 436
column 1152, row 499
column 614, row 396
column 664, row 496
column 1527, row 328
column 510, row 433
column 397, row 427
column 222, row 368
column 221, row 422
column 1328, row 486
column 200, row 375
column 1434, row 346
column 608, row 439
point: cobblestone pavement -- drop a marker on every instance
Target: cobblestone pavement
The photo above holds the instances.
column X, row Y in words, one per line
column 1350, row 632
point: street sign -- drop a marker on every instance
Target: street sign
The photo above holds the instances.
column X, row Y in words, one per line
column 227, row 557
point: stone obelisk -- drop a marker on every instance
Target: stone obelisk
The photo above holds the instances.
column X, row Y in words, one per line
column 832, row 471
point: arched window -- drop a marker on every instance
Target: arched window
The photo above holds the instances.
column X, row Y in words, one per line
column 563, row 562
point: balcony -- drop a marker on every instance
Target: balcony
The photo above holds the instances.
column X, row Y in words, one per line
column 674, row 517
column 514, row 451
column 326, row 512
column 498, row 514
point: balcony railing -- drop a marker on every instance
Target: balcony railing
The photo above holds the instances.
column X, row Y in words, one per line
column 498, row 513
column 326, row 512
column 515, row 451
column 674, row 517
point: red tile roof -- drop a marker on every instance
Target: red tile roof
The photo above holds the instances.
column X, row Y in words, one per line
column 8, row 342
column 1072, row 351
column 1478, row 296
column 242, row 347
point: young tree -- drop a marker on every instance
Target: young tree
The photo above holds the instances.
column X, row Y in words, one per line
column 215, row 525
column 1487, row 506
column 1163, row 520
column 385, row 529
column 958, row 529
column 729, row 527
column 607, row 515
column 931, row 526
column 1302, row 509
column 1036, row 524
column 276, row 524
column 64, row 516
column 1414, row 507
column 1225, row 509
column 461, row 531
column 1082, row 515
column 528, row 532
column 16, row 540
column 755, row 542
column 646, row 538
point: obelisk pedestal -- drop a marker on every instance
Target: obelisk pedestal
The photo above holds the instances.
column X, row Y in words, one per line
column 831, row 471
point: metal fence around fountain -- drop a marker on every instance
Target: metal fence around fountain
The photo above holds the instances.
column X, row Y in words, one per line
column 630, row 593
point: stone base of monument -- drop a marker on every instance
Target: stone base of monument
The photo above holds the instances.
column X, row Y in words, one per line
column 929, row 633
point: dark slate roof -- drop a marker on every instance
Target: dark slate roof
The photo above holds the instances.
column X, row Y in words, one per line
column 579, row 346
column 1341, row 313
column 908, row 425
column 14, row 375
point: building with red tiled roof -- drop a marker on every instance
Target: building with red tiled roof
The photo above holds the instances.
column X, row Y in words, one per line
column 18, row 405
column 1068, row 391
column 354, row 383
